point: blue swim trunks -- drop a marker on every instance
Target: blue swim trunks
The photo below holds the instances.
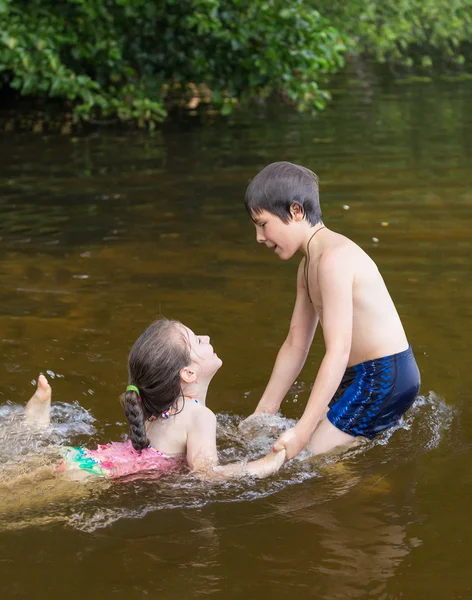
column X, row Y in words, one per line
column 374, row 395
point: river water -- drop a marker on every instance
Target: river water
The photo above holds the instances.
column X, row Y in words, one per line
column 103, row 232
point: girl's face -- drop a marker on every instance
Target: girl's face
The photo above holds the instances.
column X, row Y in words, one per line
column 202, row 354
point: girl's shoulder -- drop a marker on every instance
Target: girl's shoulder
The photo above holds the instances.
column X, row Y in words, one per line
column 170, row 435
column 194, row 409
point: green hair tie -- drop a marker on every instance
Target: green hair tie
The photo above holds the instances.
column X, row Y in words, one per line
column 132, row 388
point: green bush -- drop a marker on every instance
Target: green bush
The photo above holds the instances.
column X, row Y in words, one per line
column 131, row 59
column 434, row 35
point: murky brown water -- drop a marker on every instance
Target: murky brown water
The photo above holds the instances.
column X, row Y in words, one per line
column 99, row 235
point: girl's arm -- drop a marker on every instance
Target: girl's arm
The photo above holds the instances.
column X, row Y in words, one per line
column 202, row 455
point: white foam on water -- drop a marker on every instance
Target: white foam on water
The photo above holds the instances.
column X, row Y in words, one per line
column 17, row 439
column 423, row 428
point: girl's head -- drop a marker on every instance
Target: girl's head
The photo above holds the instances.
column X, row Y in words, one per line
column 165, row 361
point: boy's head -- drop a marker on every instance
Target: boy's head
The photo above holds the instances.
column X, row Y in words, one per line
column 281, row 185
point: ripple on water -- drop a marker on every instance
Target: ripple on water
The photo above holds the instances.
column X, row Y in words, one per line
column 100, row 503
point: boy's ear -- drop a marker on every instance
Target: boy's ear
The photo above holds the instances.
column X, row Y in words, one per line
column 296, row 211
column 188, row 374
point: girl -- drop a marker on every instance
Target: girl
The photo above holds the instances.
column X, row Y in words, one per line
column 169, row 371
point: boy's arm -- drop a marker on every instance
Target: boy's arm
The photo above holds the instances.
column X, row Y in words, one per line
column 293, row 352
column 202, row 455
column 335, row 280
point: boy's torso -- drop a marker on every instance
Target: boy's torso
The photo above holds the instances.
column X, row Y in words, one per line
column 376, row 327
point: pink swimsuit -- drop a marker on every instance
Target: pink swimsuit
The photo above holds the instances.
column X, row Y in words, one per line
column 117, row 459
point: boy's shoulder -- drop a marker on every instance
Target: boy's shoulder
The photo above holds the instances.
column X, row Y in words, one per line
column 339, row 257
column 346, row 260
column 342, row 252
column 339, row 249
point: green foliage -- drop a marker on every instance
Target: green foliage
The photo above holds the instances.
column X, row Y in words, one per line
column 431, row 35
column 257, row 48
column 129, row 59
column 133, row 59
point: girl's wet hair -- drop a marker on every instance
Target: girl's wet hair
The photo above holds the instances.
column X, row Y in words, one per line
column 281, row 184
column 154, row 366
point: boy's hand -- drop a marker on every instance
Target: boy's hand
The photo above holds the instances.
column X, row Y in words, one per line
column 293, row 440
column 248, row 420
column 256, row 420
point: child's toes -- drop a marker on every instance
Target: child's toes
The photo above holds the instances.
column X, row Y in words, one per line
column 43, row 384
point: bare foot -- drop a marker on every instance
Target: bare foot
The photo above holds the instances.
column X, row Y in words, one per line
column 38, row 407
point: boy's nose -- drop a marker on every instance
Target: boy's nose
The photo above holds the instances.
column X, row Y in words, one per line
column 206, row 338
column 260, row 237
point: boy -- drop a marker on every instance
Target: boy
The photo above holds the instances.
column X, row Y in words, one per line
column 368, row 377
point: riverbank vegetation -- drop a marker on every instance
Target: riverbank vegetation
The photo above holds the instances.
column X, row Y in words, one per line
column 134, row 60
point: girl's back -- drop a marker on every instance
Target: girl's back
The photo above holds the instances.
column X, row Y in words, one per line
column 169, row 435
column 117, row 459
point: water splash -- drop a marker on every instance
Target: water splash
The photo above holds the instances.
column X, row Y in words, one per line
column 17, row 439
column 102, row 503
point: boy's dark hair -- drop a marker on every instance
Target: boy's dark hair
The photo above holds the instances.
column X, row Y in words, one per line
column 281, row 184
column 154, row 365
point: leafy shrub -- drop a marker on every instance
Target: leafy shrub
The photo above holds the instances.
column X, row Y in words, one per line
column 429, row 34
column 131, row 58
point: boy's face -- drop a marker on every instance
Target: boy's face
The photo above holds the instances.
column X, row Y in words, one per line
column 275, row 234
